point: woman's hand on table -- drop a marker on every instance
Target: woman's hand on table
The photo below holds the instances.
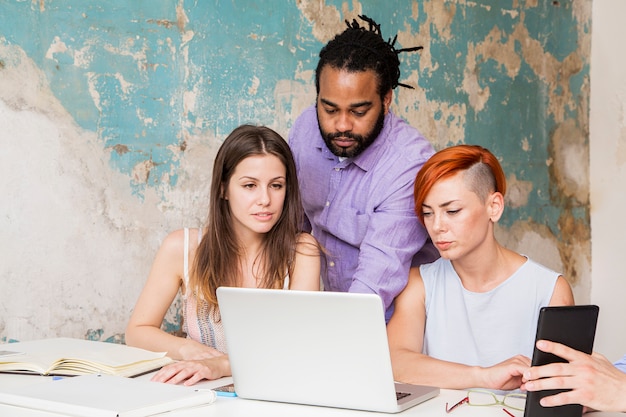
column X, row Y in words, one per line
column 189, row 372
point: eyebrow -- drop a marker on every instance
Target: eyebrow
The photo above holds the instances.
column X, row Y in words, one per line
column 245, row 177
column 446, row 204
column 352, row 106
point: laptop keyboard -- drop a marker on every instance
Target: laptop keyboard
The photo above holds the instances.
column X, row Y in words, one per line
column 401, row 395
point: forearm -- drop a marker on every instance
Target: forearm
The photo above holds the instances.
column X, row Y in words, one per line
column 385, row 255
column 383, row 272
column 156, row 340
column 416, row 368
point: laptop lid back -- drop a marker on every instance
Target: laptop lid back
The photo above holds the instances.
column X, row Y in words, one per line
column 309, row 347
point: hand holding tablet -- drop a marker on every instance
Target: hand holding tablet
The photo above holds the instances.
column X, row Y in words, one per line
column 573, row 326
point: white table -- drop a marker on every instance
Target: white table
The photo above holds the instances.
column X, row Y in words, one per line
column 237, row 407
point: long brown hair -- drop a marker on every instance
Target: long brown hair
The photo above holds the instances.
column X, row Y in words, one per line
column 216, row 262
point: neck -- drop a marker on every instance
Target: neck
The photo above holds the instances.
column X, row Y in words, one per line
column 250, row 247
column 482, row 272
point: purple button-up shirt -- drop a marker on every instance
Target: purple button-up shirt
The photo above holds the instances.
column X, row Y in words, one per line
column 361, row 209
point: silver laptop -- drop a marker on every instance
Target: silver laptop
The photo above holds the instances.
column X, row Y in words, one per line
column 316, row 348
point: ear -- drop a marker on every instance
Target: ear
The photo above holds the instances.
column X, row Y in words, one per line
column 495, row 206
column 387, row 101
column 223, row 193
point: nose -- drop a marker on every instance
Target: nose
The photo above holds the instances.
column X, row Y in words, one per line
column 437, row 223
column 343, row 123
column 264, row 196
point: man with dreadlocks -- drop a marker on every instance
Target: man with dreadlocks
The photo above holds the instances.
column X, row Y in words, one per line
column 357, row 162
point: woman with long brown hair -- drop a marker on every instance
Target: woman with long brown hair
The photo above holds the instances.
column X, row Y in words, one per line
column 252, row 239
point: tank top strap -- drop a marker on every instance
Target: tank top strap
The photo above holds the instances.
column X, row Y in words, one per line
column 186, row 258
column 186, row 254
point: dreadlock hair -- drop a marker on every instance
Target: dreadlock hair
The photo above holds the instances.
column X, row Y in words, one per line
column 359, row 49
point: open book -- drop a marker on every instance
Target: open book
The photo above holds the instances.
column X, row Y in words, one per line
column 66, row 356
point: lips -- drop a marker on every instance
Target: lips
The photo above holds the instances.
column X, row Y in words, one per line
column 344, row 142
column 441, row 245
column 263, row 216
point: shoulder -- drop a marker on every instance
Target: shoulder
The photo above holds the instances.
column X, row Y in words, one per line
column 407, row 140
column 169, row 260
column 399, row 152
column 306, row 122
column 551, row 280
column 414, row 290
column 310, row 113
column 174, row 243
column 539, row 268
column 435, row 268
column 562, row 295
column 306, row 244
column 307, row 114
column 543, row 276
column 437, row 274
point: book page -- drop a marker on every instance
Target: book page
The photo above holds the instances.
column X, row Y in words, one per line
column 78, row 356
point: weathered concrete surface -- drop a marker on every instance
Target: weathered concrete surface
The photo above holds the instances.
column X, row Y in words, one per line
column 111, row 114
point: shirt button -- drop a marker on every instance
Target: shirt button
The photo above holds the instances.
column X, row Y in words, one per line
column 332, row 263
column 327, row 203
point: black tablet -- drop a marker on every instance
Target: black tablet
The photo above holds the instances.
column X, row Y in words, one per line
column 573, row 326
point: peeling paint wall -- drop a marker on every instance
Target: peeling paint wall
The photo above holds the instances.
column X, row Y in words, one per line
column 112, row 112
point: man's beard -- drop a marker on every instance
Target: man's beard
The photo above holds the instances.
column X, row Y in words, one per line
column 362, row 142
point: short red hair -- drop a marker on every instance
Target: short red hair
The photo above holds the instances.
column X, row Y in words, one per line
column 452, row 160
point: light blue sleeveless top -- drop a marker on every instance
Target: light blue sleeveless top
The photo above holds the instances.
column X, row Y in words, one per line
column 483, row 329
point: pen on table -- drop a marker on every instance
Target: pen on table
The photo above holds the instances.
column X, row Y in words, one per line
column 507, row 411
column 225, row 394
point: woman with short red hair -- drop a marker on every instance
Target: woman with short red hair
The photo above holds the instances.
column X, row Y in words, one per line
column 469, row 318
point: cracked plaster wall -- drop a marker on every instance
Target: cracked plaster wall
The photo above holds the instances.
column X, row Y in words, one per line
column 112, row 112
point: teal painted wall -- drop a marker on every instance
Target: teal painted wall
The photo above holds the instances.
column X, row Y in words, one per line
column 146, row 91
